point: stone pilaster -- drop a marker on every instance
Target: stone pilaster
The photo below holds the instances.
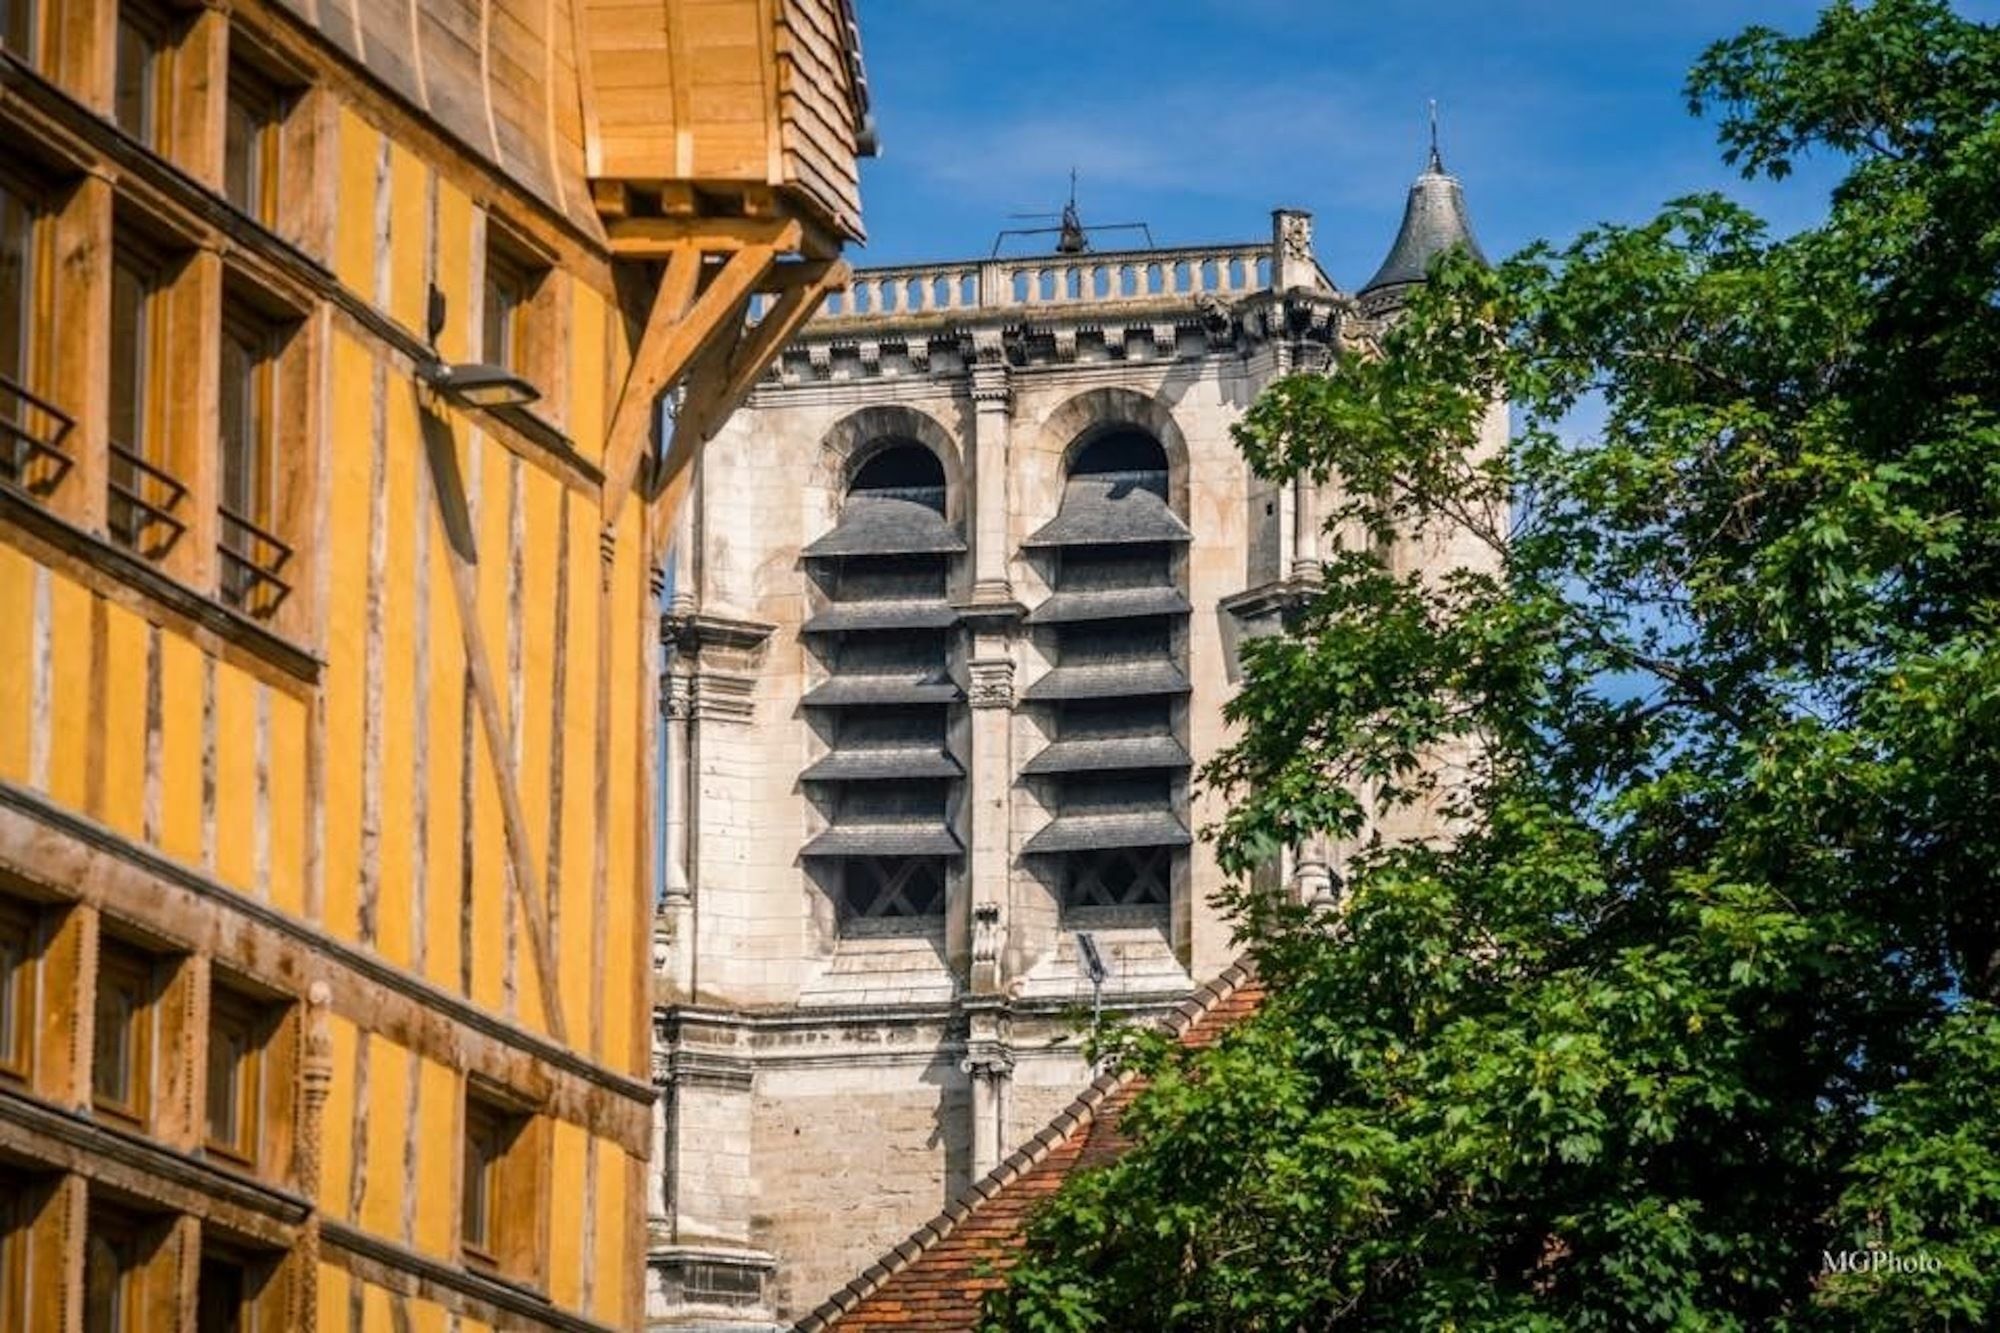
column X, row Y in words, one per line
column 993, row 407
column 990, row 780
column 674, row 930
column 990, row 1063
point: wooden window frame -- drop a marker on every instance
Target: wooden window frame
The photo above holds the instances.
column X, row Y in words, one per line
column 253, row 554
column 504, row 1147
column 512, row 270
column 146, row 1279
column 121, row 961
column 262, row 1305
column 237, row 1013
column 162, row 31
column 269, row 100
column 260, row 561
column 33, row 430
column 33, row 1247
column 18, row 27
column 21, row 934
column 153, row 467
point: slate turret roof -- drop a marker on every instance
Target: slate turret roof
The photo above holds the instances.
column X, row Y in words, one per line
column 1434, row 221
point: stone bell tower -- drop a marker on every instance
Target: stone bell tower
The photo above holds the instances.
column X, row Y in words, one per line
column 956, row 610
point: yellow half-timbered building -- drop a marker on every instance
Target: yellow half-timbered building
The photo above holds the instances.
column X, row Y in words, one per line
column 331, row 523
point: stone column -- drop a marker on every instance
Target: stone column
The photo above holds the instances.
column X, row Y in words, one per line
column 675, row 954
column 990, row 1063
column 1305, row 528
column 992, row 411
column 989, row 783
column 1314, row 882
column 658, row 1222
column 989, row 618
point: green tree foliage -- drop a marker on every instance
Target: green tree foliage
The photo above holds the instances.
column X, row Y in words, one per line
column 1707, row 987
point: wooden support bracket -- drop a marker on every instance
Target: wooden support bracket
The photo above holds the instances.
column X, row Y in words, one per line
column 719, row 382
column 676, row 333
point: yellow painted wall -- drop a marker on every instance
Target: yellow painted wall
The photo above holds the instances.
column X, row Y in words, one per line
column 235, row 777
column 17, row 679
column 183, row 676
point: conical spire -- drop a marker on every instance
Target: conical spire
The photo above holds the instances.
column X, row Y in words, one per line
column 1433, row 221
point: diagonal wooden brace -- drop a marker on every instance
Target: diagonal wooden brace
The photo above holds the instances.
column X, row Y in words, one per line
column 725, row 378
column 676, row 333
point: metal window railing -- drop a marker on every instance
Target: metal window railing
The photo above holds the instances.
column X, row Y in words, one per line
column 32, row 431
column 252, row 560
column 143, row 501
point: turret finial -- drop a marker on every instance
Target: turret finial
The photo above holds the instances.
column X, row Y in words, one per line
column 1437, row 159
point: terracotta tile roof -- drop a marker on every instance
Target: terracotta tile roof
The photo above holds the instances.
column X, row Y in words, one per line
column 930, row 1282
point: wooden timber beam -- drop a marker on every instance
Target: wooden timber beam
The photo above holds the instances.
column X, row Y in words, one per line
column 462, row 559
column 661, row 237
column 729, row 373
column 676, row 333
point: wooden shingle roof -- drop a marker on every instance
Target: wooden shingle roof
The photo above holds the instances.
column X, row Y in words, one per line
column 934, row 1281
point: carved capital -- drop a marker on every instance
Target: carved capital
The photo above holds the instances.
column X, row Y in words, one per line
column 992, row 683
column 991, row 391
column 987, row 1059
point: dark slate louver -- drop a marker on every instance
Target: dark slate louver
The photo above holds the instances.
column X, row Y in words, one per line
column 1097, row 754
column 905, row 520
column 1109, row 604
column 1089, row 833
column 1113, row 508
column 887, row 780
column 1434, row 220
column 1115, row 611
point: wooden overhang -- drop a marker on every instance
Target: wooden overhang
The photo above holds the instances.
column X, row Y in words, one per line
column 721, row 140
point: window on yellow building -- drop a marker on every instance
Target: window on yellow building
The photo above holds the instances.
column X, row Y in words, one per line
column 21, row 1194
column 32, row 429
column 253, row 141
column 19, row 947
column 144, row 495
column 17, row 27
column 127, row 1023
column 142, row 99
column 240, row 1027
column 512, row 333
column 489, row 1133
column 501, row 1187
column 253, row 555
column 237, row 1288
column 119, row 1248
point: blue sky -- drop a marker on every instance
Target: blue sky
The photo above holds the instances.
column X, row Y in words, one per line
column 1200, row 116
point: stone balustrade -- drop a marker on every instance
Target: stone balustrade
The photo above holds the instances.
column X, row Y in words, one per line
column 1053, row 280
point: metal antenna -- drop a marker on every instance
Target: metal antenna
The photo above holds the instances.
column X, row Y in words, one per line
column 1071, row 233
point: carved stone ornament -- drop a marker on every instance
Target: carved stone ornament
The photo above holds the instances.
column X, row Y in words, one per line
column 985, row 933
column 1295, row 235
column 992, row 684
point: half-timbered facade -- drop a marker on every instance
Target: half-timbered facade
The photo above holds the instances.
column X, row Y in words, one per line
column 331, row 334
